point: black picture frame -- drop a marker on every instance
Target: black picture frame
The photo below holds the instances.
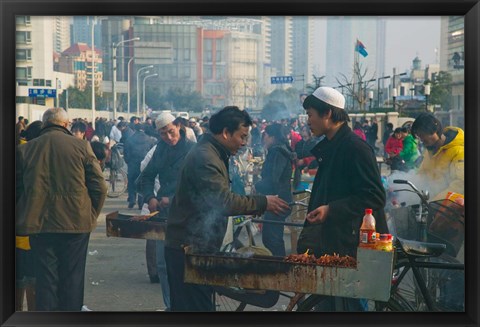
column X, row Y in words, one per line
column 9, row 8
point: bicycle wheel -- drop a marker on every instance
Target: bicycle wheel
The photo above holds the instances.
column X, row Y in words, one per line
column 447, row 289
column 225, row 303
column 309, row 303
column 396, row 303
column 408, row 288
column 116, row 182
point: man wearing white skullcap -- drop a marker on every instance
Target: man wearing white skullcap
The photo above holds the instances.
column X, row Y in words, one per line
column 347, row 182
column 165, row 164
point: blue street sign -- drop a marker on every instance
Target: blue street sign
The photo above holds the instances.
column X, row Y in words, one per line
column 46, row 93
column 281, row 79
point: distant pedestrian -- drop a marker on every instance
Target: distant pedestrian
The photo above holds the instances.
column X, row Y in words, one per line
column 134, row 151
column 126, row 131
column 57, row 205
column 276, row 180
column 357, row 129
column 79, row 128
column 196, row 128
column 19, row 127
column 409, row 151
column 115, row 133
column 24, row 260
column 372, row 134
column 387, row 133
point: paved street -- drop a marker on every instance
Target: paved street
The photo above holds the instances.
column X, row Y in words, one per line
column 116, row 276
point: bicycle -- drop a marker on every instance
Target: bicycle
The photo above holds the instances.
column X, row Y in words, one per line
column 236, row 299
column 420, row 264
column 115, row 175
column 414, row 259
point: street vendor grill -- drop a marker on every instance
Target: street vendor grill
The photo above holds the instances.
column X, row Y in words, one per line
column 369, row 278
column 140, row 227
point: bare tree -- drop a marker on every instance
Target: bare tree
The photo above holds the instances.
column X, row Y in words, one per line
column 317, row 82
column 357, row 85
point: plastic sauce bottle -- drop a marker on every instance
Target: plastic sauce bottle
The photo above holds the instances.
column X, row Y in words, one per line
column 367, row 231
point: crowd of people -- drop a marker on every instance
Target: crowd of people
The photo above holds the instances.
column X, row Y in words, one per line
column 183, row 169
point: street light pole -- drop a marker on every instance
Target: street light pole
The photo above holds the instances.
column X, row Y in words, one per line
column 427, row 93
column 128, row 84
column 244, row 94
column 114, row 71
column 365, row 91
column 144, row 79
column 94, row 19
column 378, row 89
column 394, row 96
column 93, row 72
column 370, row 97
column 138, row 87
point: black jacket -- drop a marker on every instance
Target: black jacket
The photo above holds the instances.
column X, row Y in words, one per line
column 126, row 133
column 277, row 173
column 136, row 147
column 348, row 180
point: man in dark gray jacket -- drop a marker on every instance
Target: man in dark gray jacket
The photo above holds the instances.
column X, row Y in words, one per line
column 170, row 152
column 203, row 201
column 60, row 191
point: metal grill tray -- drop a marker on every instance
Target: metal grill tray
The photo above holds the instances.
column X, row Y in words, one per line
column 371, row 279
column 120, row 225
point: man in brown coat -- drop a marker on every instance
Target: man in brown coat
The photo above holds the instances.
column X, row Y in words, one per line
column 60, row 191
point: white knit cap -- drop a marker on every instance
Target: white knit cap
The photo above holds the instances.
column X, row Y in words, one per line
column 331, row 96
column 164, row 119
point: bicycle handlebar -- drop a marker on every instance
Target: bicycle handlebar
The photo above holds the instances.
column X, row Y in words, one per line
column 423, row 196
column 298, row 203
column 301, row 191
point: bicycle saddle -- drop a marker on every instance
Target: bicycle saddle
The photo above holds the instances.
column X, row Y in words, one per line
column 421, row 249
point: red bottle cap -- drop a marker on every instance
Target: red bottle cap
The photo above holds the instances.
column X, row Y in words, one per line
column 368, row 211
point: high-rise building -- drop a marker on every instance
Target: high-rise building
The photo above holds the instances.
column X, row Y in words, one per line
column 302, row 50
column 77, row 60
column 34, row 64
column 281, row 41
column 61, row 33
column 452, row 51
column 219, row 57
column 81, row 31
column 342, row 34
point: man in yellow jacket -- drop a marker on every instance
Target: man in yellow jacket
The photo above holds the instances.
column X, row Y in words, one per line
column 443, row 163
column 443, row 167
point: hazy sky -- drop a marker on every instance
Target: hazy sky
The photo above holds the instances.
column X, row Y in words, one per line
column 407, row 37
